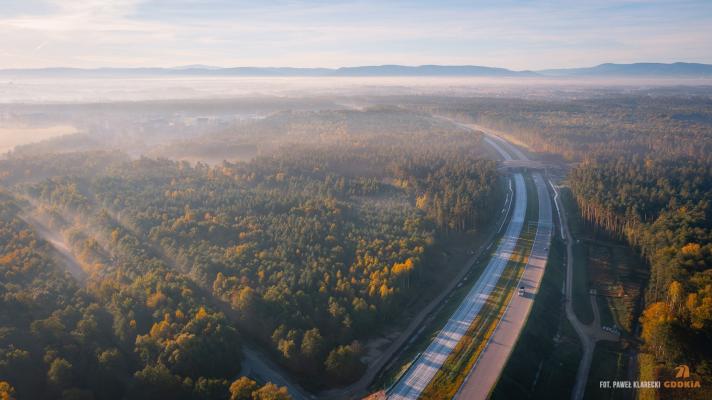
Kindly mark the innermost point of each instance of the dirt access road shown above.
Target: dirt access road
(588, 334)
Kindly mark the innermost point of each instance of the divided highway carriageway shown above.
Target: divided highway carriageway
(495, 349)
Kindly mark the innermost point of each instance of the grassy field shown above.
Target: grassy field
(607, 318)
(581, 300)
(618, 276)
(609, 363)
(581, 297)
(458, 364)
(620, 281)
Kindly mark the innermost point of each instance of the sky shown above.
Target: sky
(519, 35)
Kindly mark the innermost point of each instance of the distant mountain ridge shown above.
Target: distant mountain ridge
(679, 69)
(636, 69)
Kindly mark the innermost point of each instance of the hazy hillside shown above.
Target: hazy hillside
(678, 69)
(604, 70)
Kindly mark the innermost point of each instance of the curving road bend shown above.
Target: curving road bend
(588, 334)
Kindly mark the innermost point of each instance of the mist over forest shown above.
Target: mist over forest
(355, 200)
(163, 237)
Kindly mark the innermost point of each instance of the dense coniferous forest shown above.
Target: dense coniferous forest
(309, 250)
(642, 172)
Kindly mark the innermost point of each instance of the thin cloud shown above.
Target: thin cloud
(316, 33)
(41, 45)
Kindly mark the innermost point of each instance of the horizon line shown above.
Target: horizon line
(207, 66)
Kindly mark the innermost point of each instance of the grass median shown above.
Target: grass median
(451, 375)
(544, 361)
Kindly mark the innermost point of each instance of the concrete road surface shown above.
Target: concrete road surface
(488, 368)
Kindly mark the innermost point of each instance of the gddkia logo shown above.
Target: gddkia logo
(683, 371)
(683, 374)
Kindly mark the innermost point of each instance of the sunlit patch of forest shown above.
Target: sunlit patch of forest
(310, 249)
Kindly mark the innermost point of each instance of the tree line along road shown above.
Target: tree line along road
(491, 361)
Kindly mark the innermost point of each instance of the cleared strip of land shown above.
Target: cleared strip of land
(58, 243)
(481, 334)
(486, 372)
(448, 380)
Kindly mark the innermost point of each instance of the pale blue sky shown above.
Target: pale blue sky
(506, 33)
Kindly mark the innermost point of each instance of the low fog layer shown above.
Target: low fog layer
(53, 90)
(211, 119)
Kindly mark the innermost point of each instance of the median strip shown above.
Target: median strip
(455, 369)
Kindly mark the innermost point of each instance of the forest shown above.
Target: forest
(307, 250)
(641, 171)
(307, 233)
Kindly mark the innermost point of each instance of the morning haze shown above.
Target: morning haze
(355, 200)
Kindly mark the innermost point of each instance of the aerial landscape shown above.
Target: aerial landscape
(234, 200)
